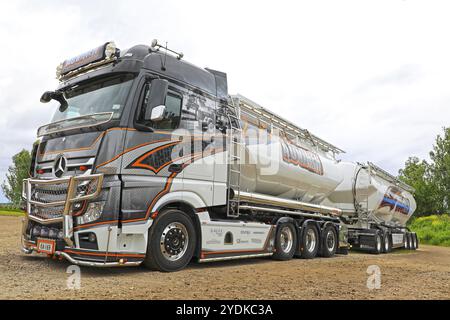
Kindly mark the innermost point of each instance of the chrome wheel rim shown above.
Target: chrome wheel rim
(310, 240)
(331, 240)
(286, 239)
(174, 241)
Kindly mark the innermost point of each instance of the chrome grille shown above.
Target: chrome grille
(48, 199)
(49, 193)
(47, 213)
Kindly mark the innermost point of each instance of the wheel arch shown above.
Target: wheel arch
(186, 202)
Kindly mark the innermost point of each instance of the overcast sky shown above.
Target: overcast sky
(371, 77)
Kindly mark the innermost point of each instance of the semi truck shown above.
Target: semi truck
(148, 160)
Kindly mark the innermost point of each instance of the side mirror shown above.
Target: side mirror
(158, 113)
(58, 96)
(46, 97)
(156, 99)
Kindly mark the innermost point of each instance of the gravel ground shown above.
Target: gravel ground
(421, 274)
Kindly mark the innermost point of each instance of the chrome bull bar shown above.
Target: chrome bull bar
(72, 196)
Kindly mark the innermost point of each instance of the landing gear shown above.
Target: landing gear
(285, 242)
(171, 242)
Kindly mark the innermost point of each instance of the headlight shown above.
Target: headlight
(93, 213)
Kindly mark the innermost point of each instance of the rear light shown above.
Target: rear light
(40, 171)
(84, 168)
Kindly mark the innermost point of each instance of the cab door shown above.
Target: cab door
(198, 121)
(150, 165)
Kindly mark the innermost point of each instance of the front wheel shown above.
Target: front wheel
(171, 242)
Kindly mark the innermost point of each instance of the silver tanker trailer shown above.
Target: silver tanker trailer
(373, 206)
(148, 160)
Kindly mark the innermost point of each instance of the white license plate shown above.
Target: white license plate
(46, 246)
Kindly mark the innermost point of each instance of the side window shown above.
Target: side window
(172, 114)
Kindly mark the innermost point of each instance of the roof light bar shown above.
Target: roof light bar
(98, 56)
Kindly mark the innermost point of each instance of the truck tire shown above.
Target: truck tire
(285, 242)
(387, 244)
(171, 242)
(309, 242)
(413, 241)
(406, 241)
(378, 248)
(417, 240)
(410, 241)
(329, 242)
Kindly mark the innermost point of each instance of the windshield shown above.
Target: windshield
(105, 95)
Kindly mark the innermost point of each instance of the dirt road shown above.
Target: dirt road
(423, 274)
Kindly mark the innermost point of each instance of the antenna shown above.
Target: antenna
(155, 46)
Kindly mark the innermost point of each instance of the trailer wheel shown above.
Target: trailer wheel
(310, 242)
(171, 242)
(378, 244)
(285, 242)
(387, 244)
(413, 241)
(417, 240)
(329, 242)
(410, 241)
(406, 241)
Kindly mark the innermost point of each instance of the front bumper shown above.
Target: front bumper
(63, 194)
(27, 249)
(77, 189)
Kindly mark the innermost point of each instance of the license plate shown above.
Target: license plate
(46, 246)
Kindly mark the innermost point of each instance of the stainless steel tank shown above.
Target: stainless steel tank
(282, 160)
(371, 189)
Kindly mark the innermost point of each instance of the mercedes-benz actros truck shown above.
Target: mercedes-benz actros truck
(149, 160)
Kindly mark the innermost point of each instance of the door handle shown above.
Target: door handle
(176, 168)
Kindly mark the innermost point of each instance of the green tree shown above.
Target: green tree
(19, 170)
(418, 174)
(440, 155)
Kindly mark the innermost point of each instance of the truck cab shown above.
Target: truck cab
(123, 147)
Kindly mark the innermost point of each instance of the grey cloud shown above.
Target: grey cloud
(404, 75)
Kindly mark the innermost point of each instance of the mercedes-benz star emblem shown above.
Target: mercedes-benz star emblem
(59, 166)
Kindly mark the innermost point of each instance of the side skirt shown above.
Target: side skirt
(226, 258)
